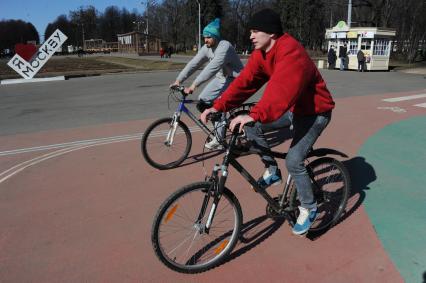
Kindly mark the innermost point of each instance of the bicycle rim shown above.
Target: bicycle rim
(179, 241)
(164, 147)
(331, 186)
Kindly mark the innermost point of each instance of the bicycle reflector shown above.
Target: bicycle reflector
(171, 213)
(221, 247)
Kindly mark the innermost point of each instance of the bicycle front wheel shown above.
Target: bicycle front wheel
(164, 145)
(182, 242)
(331, 186)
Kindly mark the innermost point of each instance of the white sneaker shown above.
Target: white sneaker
(213, 145)
(305, 220)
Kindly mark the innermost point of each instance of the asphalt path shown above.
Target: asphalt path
(77, 200)
(26, 108)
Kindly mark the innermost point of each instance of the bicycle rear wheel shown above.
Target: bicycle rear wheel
(331, 186)
(165, 147)
(182, 243)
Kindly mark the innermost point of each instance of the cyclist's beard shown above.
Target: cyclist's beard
(211, 46)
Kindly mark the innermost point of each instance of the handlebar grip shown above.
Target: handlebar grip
(178, 87)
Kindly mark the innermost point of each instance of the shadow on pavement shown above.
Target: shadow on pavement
(253, 233)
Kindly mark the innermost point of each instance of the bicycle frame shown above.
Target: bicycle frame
(182, 108)
(219, 183)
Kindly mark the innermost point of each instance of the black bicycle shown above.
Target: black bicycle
(166, 143)
(198, 226)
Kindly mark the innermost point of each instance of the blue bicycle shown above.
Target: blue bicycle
(166, 143)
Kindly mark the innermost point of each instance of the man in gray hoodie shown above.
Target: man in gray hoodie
(224, 65)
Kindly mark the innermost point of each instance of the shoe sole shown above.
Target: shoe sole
(304, 232)
(300, 233)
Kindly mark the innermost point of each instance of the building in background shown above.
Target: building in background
(100, 46)
(375, 42)
(138, 42)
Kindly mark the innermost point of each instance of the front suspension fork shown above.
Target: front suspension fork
(173, 128)
(217, 189)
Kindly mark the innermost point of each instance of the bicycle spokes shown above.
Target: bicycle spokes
(183, 237)
(166, 144)
(331, 189)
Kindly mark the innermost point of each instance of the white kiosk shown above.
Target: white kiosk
(374, 42)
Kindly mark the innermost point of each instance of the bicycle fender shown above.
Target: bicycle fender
(319, 152)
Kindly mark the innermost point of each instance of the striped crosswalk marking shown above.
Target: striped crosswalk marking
(404, 98)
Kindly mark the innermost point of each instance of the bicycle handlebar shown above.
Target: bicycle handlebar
(216, 116)
(179, 88)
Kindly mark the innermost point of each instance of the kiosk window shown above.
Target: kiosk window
(366, 44)
(353, 46)
(381, 47)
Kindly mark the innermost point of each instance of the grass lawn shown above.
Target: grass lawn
(91, 65)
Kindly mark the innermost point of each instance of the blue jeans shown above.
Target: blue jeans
(306, 130)
(342, 63)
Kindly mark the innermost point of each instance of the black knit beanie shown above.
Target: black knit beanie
(267, 21)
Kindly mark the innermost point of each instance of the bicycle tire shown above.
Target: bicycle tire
(335, 187)
(162, 156)
(221, 245)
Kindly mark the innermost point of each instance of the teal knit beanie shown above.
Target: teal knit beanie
(212, 29)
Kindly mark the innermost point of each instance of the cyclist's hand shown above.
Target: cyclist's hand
(176, 83)
(206, 112)
(189, 90)
(242, 120)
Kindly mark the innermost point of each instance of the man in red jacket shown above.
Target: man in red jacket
(294, 85)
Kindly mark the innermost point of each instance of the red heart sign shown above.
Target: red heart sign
(26, 51)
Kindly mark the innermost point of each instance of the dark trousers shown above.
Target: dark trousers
(361, 66)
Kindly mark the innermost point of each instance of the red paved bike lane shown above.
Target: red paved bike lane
(85, 215)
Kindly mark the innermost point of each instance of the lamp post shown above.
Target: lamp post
(199, 24)
(349, 13)
(137, 23)
(137, 36)
(84, 40)
(147, 24)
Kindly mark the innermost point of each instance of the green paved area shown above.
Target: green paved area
(396, 201)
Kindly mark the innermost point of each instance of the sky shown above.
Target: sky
(42, 12)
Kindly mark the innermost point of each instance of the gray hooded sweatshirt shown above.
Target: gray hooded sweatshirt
(224, 64)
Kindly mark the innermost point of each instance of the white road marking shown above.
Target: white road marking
(421, 105)
(85, 142)
(66, 148)
(393, 109)
(404, 98)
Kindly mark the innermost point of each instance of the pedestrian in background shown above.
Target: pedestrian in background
(332, 57)
(361, 60)
(343, 52)
(169, 52)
